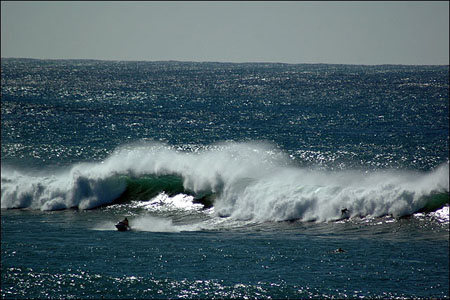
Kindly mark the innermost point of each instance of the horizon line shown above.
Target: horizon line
(221, 62)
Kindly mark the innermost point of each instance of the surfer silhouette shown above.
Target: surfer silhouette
(125, 221)
(344, 211)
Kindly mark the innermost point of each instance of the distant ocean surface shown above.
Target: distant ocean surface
(239, 180)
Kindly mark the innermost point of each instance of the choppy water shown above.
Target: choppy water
(233, 177)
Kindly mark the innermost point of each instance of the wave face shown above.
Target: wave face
(245, 181)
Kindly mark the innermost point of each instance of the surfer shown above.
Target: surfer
(125, 221)
(344, 211)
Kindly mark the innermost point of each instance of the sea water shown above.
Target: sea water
(239, 180)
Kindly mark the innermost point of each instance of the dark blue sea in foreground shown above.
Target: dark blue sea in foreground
(238, 180)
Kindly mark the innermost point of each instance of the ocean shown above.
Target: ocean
(239, 180)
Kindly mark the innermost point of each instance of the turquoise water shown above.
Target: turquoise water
(233, 177)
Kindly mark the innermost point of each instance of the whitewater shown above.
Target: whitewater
(249, 181)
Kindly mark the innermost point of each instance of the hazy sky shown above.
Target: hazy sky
(407, 32)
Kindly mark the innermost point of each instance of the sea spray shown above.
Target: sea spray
(89, 185)
(142, 223)
(83, 187)
(153, 224)
(250, 181)
(294, 193)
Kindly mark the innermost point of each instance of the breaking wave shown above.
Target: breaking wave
(245, 181)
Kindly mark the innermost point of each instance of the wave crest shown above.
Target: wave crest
(246, 181)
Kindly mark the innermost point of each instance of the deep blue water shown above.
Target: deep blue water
(233, 177)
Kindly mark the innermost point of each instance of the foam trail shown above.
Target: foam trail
(144, 223)
(153, 224)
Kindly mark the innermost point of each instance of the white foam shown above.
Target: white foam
(163, 202)
(153, 224)
(442, 214)
(307, 195)
(83, 186)
(253, 181)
